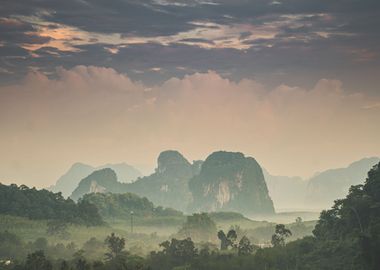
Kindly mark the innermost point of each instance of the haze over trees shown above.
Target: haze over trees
(345, 237)
(115, 205)
(199, 227)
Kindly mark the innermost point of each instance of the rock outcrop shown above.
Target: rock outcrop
(101, 181)
(230, 182)
(168, 186)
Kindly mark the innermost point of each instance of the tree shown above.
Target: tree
(280, 235)
(353, 224)
(183, 250)
(115, 245)
(232, 236)
(228, 240)
(43, 204)
(37, 261)
(298, 220)
(245, 247)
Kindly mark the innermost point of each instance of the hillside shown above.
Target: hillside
(43, 204)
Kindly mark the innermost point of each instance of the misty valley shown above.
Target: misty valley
(224, 212)
(189, 135)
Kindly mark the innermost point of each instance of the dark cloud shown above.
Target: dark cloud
(15, 31)
(197, 40)
(313, 38)
(151, 18)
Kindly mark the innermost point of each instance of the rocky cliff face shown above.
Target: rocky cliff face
(104, 180)
(168, 186)
(230, 182)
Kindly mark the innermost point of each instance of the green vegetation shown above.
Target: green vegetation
(345, 237)
(119, 206)
(42, 204)
(228, 240)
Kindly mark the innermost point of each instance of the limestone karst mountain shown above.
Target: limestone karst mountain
(226, 181)
(230, 182)
(100, 181)
(70, 180)
(168, 185)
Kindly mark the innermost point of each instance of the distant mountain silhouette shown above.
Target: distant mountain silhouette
(100, 181)
(330, 185)
(287, 192)
(70, 180)
(320, 191)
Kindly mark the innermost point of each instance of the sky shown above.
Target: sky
(293, 83)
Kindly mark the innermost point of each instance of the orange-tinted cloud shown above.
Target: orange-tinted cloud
(97, 115)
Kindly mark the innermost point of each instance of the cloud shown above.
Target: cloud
(97, 115)
(257, 39)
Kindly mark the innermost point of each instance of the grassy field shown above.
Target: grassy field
(147, 232)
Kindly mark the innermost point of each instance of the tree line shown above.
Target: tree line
(43, 204)
(347, 236)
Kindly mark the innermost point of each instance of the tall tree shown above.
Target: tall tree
(37, 261)
(115, 246)
(228, 240)
(245, 247)
(280, 235)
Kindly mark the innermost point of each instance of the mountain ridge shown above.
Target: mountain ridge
(69, 181)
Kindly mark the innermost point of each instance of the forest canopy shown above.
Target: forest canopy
(43, 204)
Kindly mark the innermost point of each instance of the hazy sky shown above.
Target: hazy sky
(293, 83)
